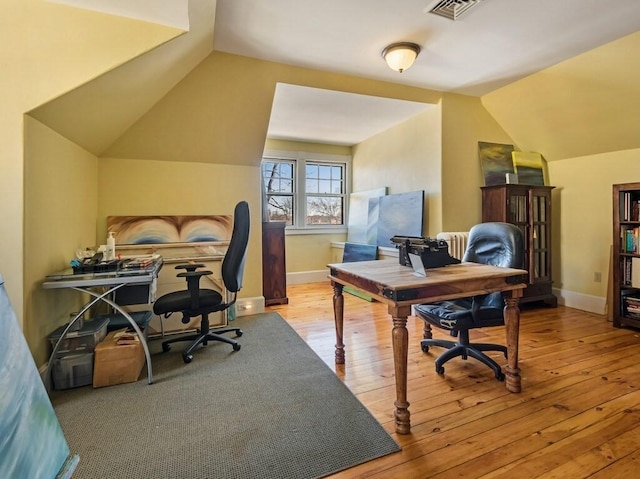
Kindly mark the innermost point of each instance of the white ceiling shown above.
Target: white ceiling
(493, 44)
(323, 116)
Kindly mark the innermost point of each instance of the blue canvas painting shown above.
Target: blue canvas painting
(358, 223)
(373, 215)
(400, 214)
(32, 444)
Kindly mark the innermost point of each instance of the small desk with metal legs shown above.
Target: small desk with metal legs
(397, 286)
(101, 286)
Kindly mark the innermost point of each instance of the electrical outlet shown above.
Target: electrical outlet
(597, 276)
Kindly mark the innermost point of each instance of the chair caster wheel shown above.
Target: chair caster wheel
(440, 370)
(187, 359)
(236, 347)
(500, 377)
(238, 334)
(425, 348)
(166, 347)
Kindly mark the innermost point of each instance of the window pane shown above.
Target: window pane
(324, 186)
(286, 170)
(277, 177)
(280, 208)
(312, 186)
(324, 172)
(322, 210)
(311, 170)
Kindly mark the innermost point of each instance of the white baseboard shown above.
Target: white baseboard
(585, 302)
(303, 277)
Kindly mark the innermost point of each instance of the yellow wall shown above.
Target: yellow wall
(42, 58)
(288, 145)
(436, 151)
(583, 216)
(465, 122)
(583, 106)
(220, 112)
(143, 187)
(60, 205)
(405, 158)
(582, 115)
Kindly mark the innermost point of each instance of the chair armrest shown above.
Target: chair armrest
(193, 281)
(190, 266)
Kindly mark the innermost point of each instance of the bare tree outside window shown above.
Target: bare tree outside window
(305, 193)
(278, 177)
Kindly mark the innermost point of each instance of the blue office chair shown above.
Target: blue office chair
(195, 301)
(497, 244)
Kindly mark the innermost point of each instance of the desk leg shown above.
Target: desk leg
(400, 341)
(512, 323)
(338, 314)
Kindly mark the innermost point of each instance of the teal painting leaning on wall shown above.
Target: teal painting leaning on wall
(32, 444)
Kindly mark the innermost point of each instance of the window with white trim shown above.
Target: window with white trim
(307, 191)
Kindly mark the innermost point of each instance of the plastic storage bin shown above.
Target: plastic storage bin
(82, 340)
(73, 370)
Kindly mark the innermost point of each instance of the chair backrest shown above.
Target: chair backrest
(497, 244)
(233, 262)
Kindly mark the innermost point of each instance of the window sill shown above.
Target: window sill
(314, 231)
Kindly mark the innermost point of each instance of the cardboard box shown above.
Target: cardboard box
(117, 363)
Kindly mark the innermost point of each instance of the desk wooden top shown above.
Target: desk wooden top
(388, 281)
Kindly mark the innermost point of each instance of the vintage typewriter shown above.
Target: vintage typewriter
(434, 253)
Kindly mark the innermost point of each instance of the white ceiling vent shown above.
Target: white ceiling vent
(453, 9)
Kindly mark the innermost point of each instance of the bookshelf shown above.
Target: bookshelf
(529, 208)
(626, 255)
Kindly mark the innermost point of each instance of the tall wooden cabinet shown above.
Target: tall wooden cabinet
(274, 271)
(528, 207)
(626, 255)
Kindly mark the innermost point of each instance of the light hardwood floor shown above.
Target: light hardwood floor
(578, 414)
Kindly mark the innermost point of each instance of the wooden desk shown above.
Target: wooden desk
(398, 287)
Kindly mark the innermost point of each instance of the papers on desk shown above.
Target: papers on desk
(140, 262)
(417, 265)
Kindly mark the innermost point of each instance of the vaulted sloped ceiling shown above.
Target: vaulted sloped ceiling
(584, 106)
(97, 113)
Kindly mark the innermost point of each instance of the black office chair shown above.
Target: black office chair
(195, 301)
(498, 244)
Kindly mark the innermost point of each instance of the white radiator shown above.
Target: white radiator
(457, 241)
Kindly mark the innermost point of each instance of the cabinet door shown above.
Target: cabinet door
(540, 239)
(274, 271)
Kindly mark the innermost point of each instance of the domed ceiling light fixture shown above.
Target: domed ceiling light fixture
(400, 56)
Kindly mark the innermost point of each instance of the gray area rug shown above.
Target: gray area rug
(271, 410)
